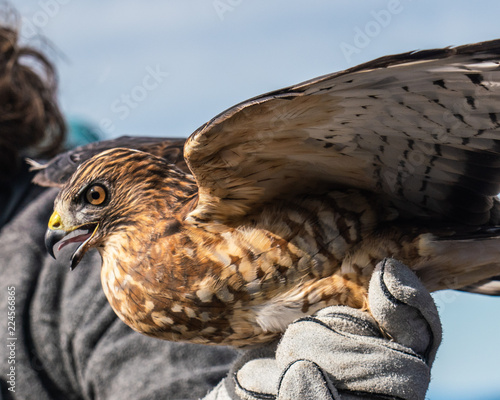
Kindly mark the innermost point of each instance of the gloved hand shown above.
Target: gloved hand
(342, 353)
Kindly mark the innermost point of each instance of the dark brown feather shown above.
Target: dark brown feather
(59, 169)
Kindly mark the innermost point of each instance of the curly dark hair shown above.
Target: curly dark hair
(31, 123)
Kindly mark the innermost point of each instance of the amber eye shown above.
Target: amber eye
(96, 195)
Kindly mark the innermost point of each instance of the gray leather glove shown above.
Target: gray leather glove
(342, 353)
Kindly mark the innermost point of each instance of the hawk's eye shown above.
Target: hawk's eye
(95, 195)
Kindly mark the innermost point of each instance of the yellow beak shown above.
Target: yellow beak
(57, 232)
(55, 221)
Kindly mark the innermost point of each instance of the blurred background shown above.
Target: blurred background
(163, 68)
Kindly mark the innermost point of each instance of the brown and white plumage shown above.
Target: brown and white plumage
(294, 196)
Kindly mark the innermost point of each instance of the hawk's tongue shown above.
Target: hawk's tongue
(77, 236)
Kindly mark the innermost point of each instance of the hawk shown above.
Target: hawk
(284, 203)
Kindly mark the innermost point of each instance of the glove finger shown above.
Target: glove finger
(404, 308)
(257, 379)
(347, 345)
(305, 380)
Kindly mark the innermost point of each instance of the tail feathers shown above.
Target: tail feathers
(468, 233)
(489, 287)
(467, 261)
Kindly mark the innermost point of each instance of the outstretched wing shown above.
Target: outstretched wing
(60, 168)
(422, 128)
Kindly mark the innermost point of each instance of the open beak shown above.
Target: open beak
(61, 236)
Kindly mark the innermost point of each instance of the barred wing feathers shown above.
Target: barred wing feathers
(420, 128)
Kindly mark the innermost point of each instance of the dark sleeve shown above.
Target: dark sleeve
(71, 345)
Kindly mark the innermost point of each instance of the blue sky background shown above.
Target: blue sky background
(166, 67)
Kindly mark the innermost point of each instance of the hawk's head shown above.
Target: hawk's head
(113, 191)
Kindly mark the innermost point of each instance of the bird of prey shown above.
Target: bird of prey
(284, 203)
